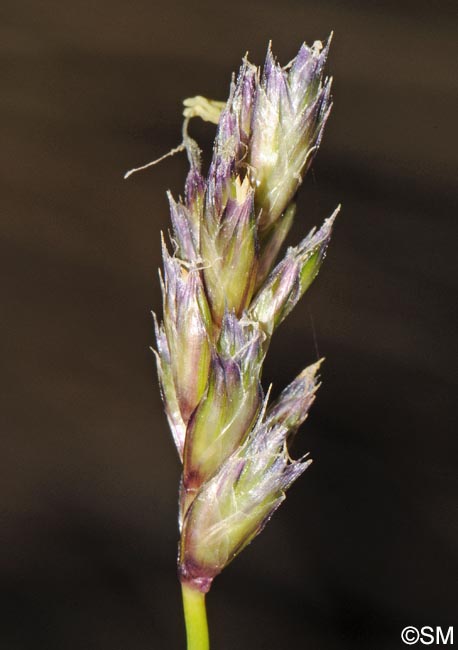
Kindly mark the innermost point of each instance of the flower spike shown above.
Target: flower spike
(223, 298)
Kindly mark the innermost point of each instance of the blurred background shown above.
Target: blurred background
(367, 541)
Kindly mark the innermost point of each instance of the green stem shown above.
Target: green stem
(195, 617)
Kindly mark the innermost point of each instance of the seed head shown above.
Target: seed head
(223, 300)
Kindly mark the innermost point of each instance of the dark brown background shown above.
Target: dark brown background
(366, 543)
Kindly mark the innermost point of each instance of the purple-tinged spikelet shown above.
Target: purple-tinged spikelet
(291, 108)
(236, 503)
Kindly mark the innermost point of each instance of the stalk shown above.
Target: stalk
(195, 616)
